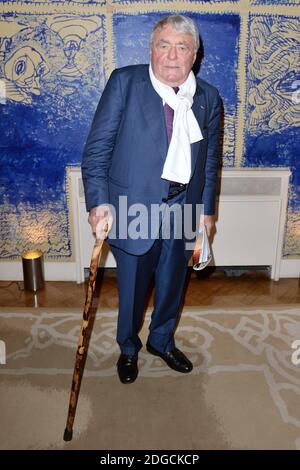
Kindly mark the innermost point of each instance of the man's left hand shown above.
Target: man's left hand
(209, 223)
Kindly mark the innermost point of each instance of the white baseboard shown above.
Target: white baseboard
(55, 271)
(290, 268)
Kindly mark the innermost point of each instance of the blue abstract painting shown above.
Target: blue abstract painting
(220, 37)
(274, 2)
(32, 2)
(273, 111)
(190, 1)
(52, 72)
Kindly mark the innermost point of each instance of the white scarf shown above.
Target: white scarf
(186, 129)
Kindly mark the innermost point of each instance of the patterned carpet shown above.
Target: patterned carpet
(243, 393)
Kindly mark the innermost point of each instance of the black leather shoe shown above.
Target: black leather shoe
(127, 368)
(175, 359)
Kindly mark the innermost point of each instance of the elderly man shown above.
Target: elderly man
(154, 140)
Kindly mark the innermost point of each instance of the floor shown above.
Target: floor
(243, 392)
(211, 288)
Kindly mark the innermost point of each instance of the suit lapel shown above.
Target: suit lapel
(199, 109)
(153, 110)
(199, 106)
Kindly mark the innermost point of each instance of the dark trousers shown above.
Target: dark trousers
(165, 260)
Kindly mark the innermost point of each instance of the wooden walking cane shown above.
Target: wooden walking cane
(82, 342)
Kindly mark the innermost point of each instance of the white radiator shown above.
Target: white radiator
(251, 217)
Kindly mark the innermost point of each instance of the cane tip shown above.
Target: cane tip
(68, 435)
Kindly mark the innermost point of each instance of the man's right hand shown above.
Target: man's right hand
(99, 217)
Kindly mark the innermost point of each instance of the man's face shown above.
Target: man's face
(172, 55)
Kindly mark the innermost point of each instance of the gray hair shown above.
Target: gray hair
(182, 24)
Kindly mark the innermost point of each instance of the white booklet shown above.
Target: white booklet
(202, 254)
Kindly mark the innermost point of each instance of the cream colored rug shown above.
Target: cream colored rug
(244, 391)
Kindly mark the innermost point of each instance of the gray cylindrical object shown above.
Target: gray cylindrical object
(33, 270)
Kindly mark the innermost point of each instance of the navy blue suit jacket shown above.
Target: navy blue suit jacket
(127, 146)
